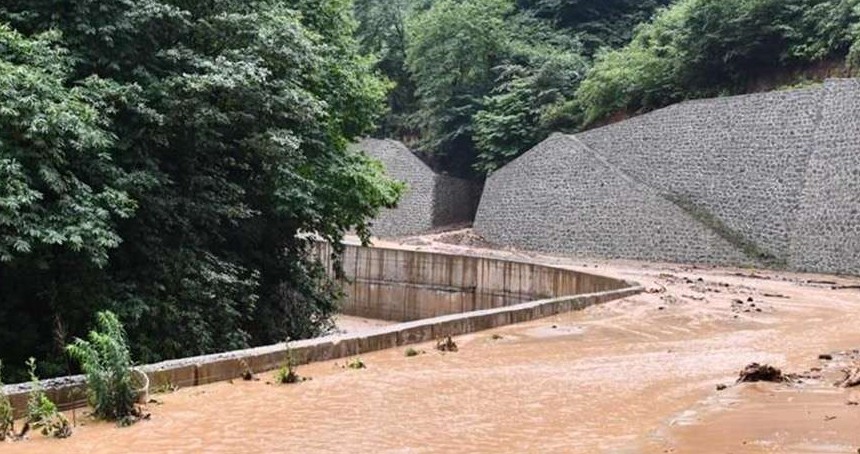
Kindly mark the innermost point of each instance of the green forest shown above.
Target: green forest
(173, 161)
(478, 82)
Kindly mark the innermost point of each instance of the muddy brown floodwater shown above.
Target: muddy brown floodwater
(350, 324)
(633, 375)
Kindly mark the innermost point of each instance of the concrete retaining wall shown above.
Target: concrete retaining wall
(385, 271)
(431, 200)
(404, 285)
(767, 179)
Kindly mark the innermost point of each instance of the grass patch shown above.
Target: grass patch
(42, 413)
(287, 373)
(356, 363)
(7, 418)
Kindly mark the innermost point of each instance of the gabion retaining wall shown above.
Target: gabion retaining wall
(826, 232)
(431, 200)
(767, 179)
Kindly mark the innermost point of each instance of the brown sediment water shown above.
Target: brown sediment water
(350, 324)
(633, 375)
(766, 417)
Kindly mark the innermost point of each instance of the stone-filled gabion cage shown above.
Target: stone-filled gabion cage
(431, 201)
(770, 179)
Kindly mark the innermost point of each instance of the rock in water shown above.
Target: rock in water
(760, 372)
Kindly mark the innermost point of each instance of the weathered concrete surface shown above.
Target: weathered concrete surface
(431, 200)
(66, 392)
(768, 179)
(559, 285)
(402, 285)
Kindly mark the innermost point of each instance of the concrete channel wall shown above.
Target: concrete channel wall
(403, 285)
(457, 294)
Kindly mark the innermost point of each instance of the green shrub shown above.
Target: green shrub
(412, 352)
(7, 419)
(106, 361)
(42, 413)
(247, 373)
(356, 363)
(287, 373)
(705, 48)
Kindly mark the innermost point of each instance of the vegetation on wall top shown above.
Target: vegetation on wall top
(488, 79)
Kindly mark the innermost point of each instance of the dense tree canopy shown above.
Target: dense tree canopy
(382, 32)
(478, 82)
(700, 48)
(453, 48)
(162, 157)
(490, 81)
(532, 95)
(168, 159)
(59, 187)
(597, 23)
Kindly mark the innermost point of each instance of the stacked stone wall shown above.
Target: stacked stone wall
(431, 200)
(414, 213)
(741, 159)
(826, 233)
(770, 179)
(561, 197)
(455, 201)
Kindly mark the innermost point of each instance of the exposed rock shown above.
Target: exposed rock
(755, 372)
(446, 345)
(852, 377)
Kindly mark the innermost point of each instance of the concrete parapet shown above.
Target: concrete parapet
(516, 307)
(404, 285)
